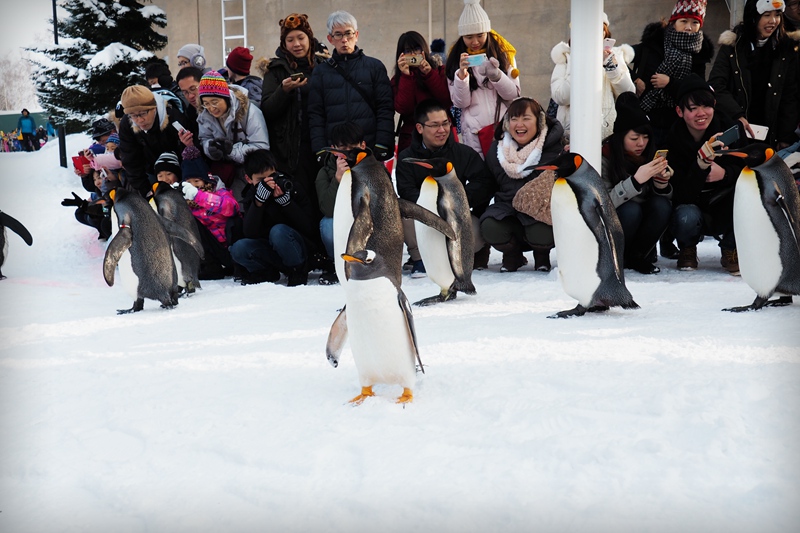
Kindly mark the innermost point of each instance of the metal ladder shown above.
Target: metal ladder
(240, 8)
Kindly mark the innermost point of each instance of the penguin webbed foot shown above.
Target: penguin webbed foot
(439, 298)
(760, 302)
(406, 397)
(138, 305)
(579, 310)
(366, 392)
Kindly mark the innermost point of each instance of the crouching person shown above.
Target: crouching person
(280, 228)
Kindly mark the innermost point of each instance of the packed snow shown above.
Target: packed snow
(223, 414)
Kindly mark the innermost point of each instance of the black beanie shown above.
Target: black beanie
(168, 161)
(690, 84)
(629, 114)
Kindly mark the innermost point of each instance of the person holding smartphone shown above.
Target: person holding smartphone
(418, 76)
(637, 178)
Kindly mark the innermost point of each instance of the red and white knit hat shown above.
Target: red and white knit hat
(689, 9)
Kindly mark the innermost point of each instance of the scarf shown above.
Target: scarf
(514, 160)
(677, 64)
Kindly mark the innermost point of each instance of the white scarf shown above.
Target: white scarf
(515, 160)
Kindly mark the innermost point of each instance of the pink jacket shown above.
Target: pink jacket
(478, 107)
(215, 208)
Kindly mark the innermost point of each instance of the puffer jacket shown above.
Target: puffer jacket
(213, 211)
(615, 82)
(243, 126)
(138, 149)
(733, 84)
(333, 100)
(478, 106)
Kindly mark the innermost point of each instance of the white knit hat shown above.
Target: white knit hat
(762, 6)
(473, 19)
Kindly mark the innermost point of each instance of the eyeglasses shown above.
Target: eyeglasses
(443, 125)
(338, 36)
(138, 116)
(183, 63)
(216, 104)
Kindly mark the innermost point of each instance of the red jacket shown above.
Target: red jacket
(410, 91)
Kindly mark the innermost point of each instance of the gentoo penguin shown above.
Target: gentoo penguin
(7, 221)
(448, 262)
(378, 321)
(367, 213)
(150, 271)
(174, 210)
(588, 236)
(766, 222)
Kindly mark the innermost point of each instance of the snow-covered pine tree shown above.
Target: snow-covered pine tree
(102, 48)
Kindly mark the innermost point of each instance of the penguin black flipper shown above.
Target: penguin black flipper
(612, 244)
(121, 242)
(406, 308)
(429, 218)
(179, 232)
(16, 226)
(337, 338)
(790, 218)
(362, 228)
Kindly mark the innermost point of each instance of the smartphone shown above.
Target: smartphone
(415, 60)
(608, 42)
(178, 126)
(661, 153)
(79, 161)
(297, 76)
(759, 132)
(729, 136)
(476, 60)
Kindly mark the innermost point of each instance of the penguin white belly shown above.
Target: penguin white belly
(379, 336)
(128, 280)
(577, 249)
(757, 241)
(342, 222)
(432, 244)
(179, 270)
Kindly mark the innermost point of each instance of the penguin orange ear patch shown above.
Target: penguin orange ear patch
(360, 156)
(112, 194)
(449, 167)
(578, 160)
(769, 152)
(155, 186)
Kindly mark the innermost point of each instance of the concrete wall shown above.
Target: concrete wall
(533, 27)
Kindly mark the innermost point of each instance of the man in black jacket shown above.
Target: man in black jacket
(145, 132)
(280, 229)
(702, 185)
(433, 139)
(351, 87)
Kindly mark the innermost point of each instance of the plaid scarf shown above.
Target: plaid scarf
(677, 64)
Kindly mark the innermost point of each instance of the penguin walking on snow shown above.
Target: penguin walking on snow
(180, 224)
(7, 221)
(588, 236)
(448, 262)
(766, 222)
(141, 249)
(378, 321)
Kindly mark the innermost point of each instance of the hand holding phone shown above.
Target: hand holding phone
(661, 153)
(729, 136)
(178, 126)
(476, 60)
(297, 76)
(415, 60)
(608, 43)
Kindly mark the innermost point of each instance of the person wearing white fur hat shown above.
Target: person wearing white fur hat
(483, 90)
(616, 80)
(755, 74)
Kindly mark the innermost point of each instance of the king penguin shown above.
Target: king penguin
(588, 237)
(148, 271)
(766, 222)
(181, 225)
(7, 221)
(378, 321)
(448, 262)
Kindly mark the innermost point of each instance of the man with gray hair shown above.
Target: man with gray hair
(351, 86)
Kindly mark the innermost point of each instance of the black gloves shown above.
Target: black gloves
(218, 148)
(75, 201)
(383, 153)
(263, 192)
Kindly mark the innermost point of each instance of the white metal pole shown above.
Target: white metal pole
(586, 71)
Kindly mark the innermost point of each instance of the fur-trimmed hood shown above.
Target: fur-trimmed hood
(729, 37)
(561, 51)
(239, 102)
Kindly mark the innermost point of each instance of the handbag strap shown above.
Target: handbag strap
(338, 68)
(497, 109)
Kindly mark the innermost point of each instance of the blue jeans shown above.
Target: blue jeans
(689, 224)
(285, 250)
(326, 232)
(643, 223)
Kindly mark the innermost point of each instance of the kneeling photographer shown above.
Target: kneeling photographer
(280, 230)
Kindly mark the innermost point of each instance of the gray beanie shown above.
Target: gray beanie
(473, 19)
(192, 51)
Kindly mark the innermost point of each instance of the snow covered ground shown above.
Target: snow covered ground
(224, 415)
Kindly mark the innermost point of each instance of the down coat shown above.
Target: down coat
(243, 126)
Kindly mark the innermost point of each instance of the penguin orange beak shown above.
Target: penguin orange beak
(352, 259)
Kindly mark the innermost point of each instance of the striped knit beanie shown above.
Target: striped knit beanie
(689, 9)
(168, 161)
(213, 84)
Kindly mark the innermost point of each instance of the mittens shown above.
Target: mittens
(263, 192)
(492, 69)
(189, 190)
(214, 151)
(75, 201)
(706, 155)
(284, 199)
(661, 181)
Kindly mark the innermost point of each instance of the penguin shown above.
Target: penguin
(147, 270)
(368, 215)
(7, 221)
(378, 320)
(172, 207)
(766, 222)
(448, 262)
(588, 236)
